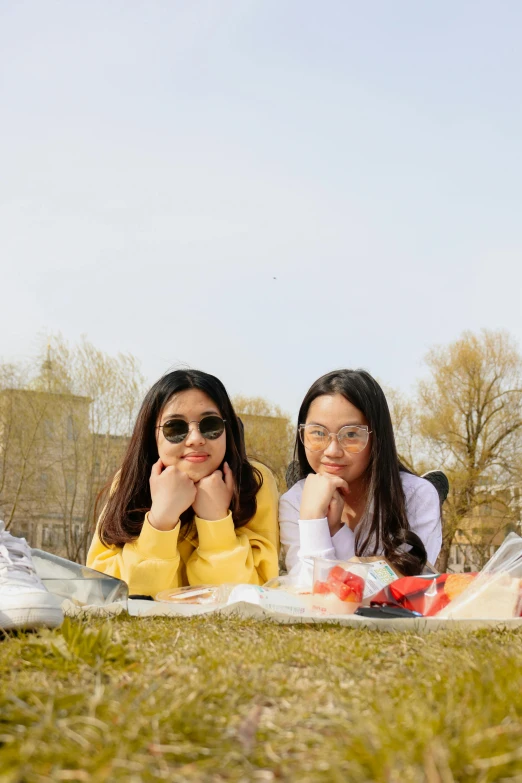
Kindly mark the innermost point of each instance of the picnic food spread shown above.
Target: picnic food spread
(342, 587)
(367, 586)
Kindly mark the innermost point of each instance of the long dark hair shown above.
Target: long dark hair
(123, 516)
(389, 529)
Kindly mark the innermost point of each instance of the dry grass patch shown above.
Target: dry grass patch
(215, 699)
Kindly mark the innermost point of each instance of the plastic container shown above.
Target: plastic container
(81, 585)
(200, 595)
(338, 586)
(375, 572)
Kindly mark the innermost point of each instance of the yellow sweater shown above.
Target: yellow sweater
(205, 553)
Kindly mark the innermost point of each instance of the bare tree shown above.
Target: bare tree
(405, 418)
(97, 418)
(471, 421)
(64, 425)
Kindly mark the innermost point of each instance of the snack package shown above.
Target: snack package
(496, 592)
(427, 595)
(493, 594)
(380, 560)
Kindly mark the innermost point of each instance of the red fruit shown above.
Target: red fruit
(353, 583)
(321, 588)
(344, 592)
(338, 573)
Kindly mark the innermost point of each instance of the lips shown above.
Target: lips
(196, 457)
(333, 468)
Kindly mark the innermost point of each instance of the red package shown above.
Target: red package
(425, 595)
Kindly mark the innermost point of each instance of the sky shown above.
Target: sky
(263, 189)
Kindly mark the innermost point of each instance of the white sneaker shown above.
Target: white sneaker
(24, 601)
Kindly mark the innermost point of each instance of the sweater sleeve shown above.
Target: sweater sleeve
(423, 512)
(148, 564)
(302, 539)
(247, 554)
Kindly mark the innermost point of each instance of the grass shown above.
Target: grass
(220, 699)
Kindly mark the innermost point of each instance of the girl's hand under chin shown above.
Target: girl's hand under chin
(324, 496)
(335, 513)
(172, 493)
(213, 495)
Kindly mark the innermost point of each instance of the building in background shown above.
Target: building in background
(52, 467)
(481, 533)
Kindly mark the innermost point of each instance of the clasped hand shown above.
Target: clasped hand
(172, 492)
(325, 496)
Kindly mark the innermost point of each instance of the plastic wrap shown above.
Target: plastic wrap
(427, 595)
(496, 592)
(81, 585)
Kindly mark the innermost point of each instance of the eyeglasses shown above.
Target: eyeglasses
(176, 430)
(352, 438)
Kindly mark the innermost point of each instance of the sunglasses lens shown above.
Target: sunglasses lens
(212, 427)
(175, 431)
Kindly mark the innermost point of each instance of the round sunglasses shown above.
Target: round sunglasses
(176, 430)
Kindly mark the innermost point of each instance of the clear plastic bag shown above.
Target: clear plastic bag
(81, 585)
(495, 593)
(426, 594)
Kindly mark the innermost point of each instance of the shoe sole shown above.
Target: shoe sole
(27, 619)
(41, 610)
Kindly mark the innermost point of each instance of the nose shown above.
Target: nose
(194, 437)
(334, 448)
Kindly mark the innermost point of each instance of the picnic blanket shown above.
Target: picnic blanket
(250, 611)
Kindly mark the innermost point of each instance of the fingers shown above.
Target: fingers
(157, 468)
(229, 477)
(340, 483)
(344, 492)
(217, 474)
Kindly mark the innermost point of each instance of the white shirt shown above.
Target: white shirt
(303, 539)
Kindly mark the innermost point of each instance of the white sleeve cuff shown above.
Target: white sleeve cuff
(315, 539)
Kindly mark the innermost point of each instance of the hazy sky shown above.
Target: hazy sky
(264, 189)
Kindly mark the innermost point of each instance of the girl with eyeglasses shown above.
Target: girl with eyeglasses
(356, 498)
(187, 507)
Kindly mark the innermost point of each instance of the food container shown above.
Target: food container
(338, 586)
(199, 595)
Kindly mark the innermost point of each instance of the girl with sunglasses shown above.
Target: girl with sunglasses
(187, 507)
(355, 497)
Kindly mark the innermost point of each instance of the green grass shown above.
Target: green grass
(220, 699)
